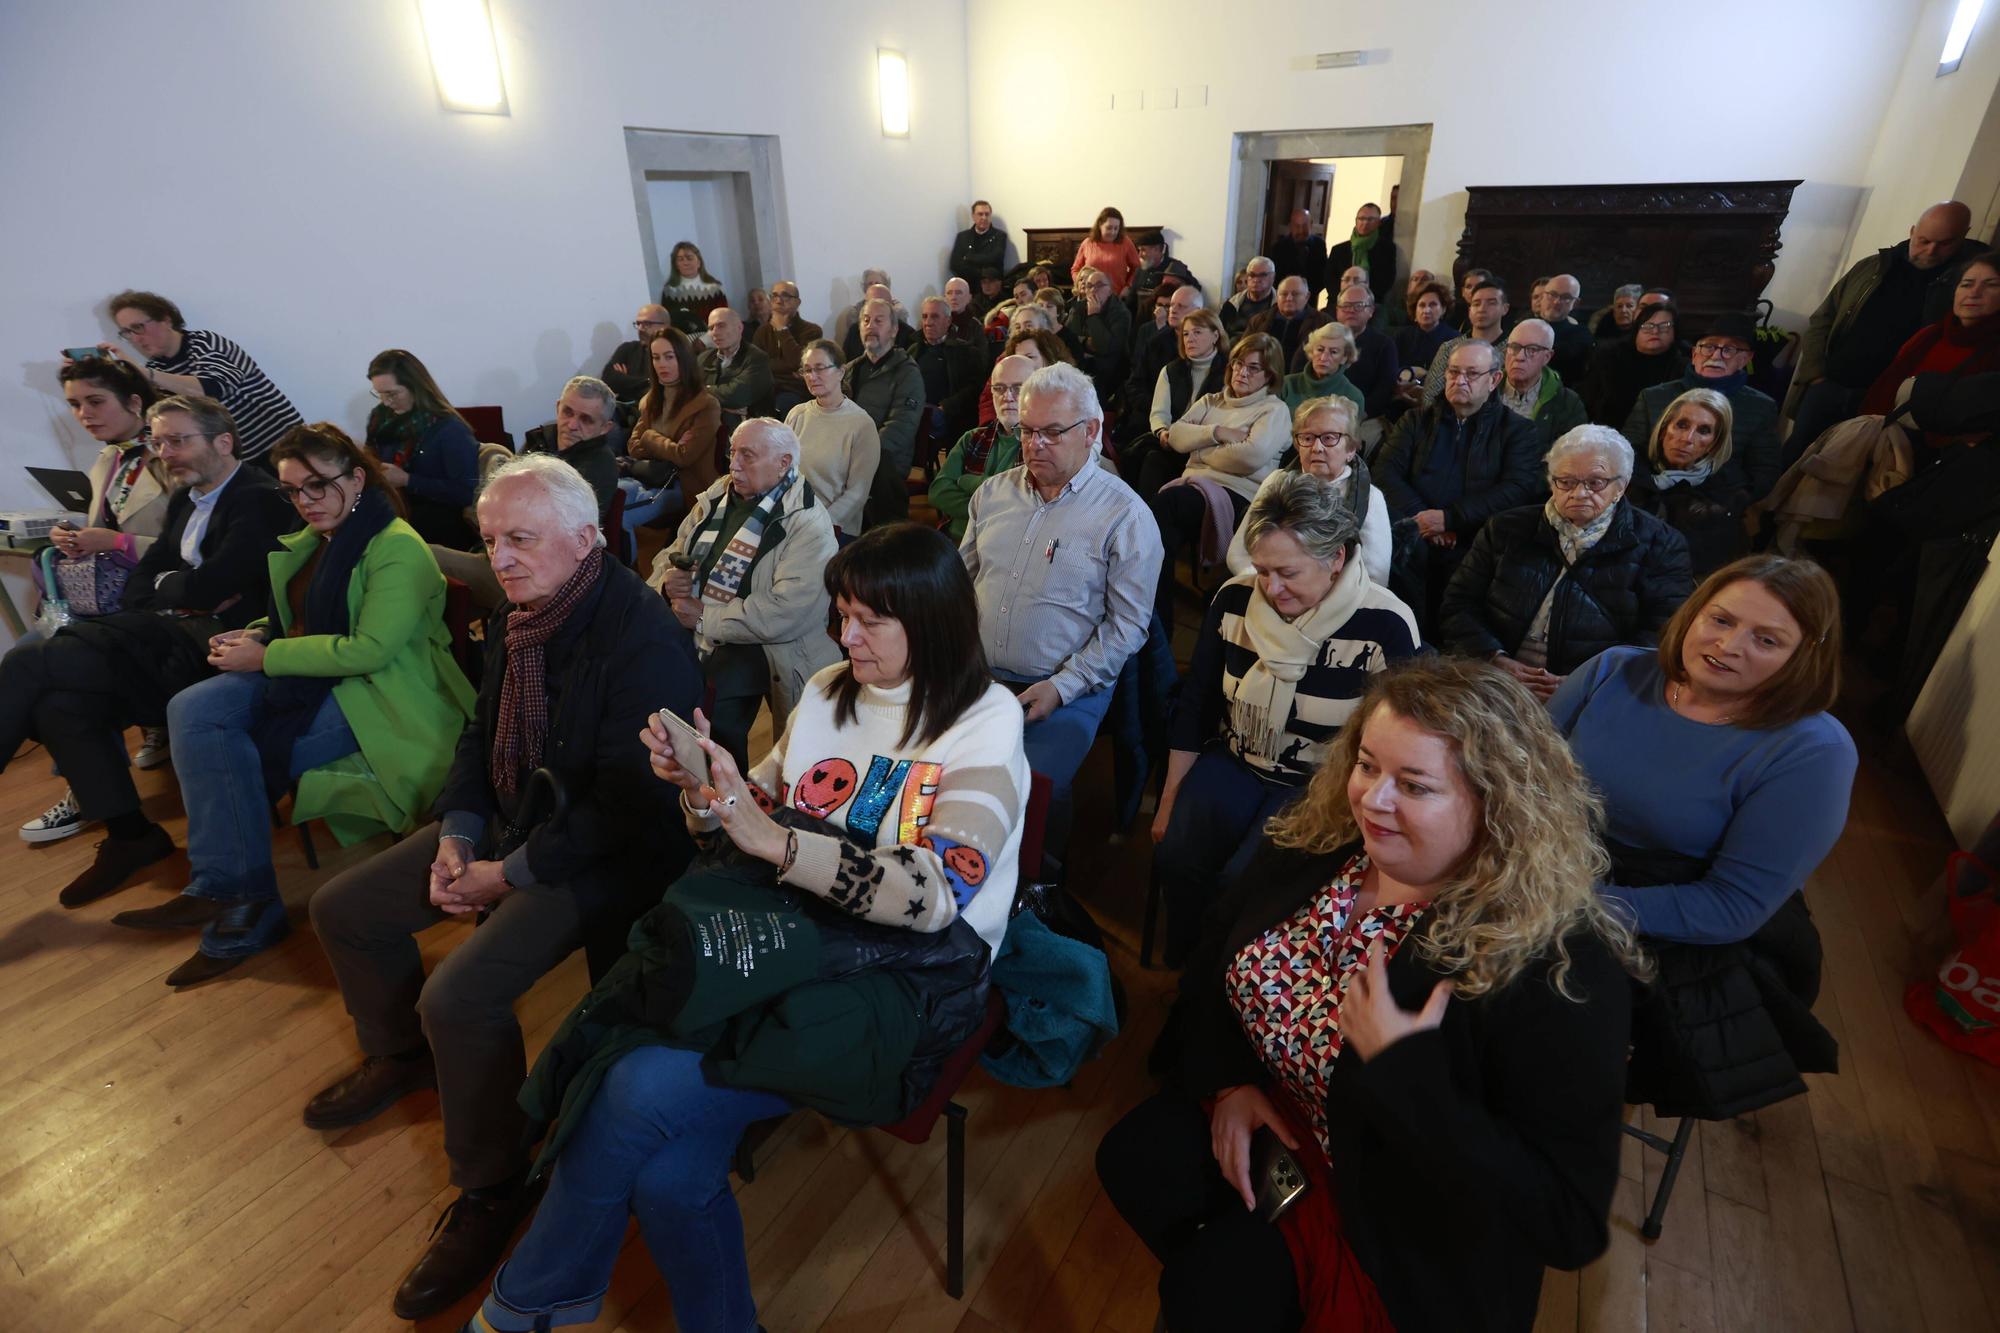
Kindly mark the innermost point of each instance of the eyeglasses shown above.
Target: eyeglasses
(314, 490)
(1595, 485)
(1662, 327)
(1553, 297)
(388, 395)
(1467, 376)
(811, 369)
(127, 332)
(784, 296)
(1048, 434)
(648, 325)
(174, 441)
(1526, 350)
(1321, 439)
(1720, 349)
(1354, 307)
(1006, 391)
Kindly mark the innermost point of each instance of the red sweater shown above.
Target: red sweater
(1945, 345)
(1117, 260)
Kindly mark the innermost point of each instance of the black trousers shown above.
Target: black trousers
(1180, 512)
(77, 700)
(1225, 1268)
(740, 675)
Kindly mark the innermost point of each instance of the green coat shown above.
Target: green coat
(399, 689)
(1558, 410)
(1300, 385)
(952, 488)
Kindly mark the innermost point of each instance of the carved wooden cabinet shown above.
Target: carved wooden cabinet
(1712, 244)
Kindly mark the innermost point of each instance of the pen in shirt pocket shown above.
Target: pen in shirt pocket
(1050, 554)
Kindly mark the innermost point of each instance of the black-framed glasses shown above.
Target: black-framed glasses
(1720, 349)
(1595, 485)
(1528, 349)
(159, 442)
(645, 326)
(314, 490)
(128, 332)
(1320, 439)
(1660, 327)
(1048, 434)
(1468, 376)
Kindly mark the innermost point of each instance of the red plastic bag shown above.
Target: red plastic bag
(1962, 1007)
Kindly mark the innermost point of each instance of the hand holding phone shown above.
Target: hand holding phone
(82, 354)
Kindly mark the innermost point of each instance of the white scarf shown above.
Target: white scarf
(1262, 705)
(1675, 476)
(1575, 540)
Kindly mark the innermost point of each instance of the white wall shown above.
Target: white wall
(1357, 181)
(1776, 90)
(1928, 128)
(286, 173)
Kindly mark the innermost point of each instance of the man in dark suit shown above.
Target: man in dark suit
(206, 573)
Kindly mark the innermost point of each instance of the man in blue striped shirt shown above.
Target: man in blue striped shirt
(194, 361)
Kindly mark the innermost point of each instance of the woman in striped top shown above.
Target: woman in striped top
(1284, 654)
(184, 360)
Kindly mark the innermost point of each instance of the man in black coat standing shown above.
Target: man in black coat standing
(1373, 247)
(78, 690)
(577, 661)
(1301, 253)
(980, 246)
(1447, 468)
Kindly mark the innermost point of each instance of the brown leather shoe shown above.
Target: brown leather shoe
(466, 1245)
(181, 912)
(118, 859)
(380, 1082)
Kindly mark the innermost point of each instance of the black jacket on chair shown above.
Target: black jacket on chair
(1623, 590)
(1709, 516)
(1467, 1158)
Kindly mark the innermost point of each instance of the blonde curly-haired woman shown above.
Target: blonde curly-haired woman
(1414, 987)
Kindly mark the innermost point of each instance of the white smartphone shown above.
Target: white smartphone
(687, 744)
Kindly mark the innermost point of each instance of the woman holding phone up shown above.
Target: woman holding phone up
(1415, 988)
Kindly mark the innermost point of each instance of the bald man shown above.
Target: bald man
(1869, 314)
(903, 337)
(625, 372)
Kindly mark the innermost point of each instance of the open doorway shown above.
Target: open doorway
(1329, 191)
(712, 209)
(1330, 174)
(724, 192)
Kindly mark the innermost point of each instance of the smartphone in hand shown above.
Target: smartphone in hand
(82, 353)
(687, 744)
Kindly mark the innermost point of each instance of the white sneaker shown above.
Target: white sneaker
(152, 748)
(59, 821)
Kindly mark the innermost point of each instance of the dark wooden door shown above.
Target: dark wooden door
(1296, 184)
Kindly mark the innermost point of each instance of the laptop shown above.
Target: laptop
(71, 489)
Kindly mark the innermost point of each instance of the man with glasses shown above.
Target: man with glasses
(1064, 558)
(625, 372)
(195, 362)
(890, 389)
(1530, 387)
(1376, 364)
(1868, 316)
(1485, 322)
(986, 451)
(1450, 465)
(1572, 340)
(1721, 361)
(205, 573)
(1260, 277)
(782, 338)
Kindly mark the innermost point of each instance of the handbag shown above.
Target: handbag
(54, 612)
(1961, 1007)
(93, 585)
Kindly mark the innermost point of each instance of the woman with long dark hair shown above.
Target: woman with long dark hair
(671, 450)
(425, 449)
(892, 802)
(348, 690)
(691, 293)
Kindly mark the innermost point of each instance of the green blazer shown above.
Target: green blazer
(399, 689)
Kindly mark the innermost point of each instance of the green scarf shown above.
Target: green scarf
(1362, 245)
(394, 437)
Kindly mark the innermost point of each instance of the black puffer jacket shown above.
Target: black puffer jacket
(1708, 516)
(1621, 591)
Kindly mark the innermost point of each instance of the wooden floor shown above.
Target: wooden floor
(154, 1174)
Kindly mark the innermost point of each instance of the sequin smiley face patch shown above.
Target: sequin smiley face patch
(825, 787)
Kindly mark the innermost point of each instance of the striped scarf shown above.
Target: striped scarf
(724, 581)
(523, 722)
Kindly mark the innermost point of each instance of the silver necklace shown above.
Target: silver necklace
(1674, 697)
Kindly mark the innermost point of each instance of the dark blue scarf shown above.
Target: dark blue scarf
(1726, 386)
(291, 702)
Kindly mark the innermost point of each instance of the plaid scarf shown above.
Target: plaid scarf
(395, 437)
(979, 447)
(725, 579)
(523, 724)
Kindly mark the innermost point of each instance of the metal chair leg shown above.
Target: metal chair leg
(954, 1201)
(1675, 1149)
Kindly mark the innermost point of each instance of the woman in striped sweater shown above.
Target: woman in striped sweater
(1285, 653)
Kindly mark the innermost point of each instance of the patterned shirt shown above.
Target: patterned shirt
(1288, 984)
(263, 415)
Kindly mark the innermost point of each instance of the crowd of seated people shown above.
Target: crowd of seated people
(1457, 616)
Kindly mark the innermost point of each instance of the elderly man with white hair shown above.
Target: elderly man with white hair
(576, 661)
(1063, 557)
(1260, 278)
(1546, 587)
(1530, 386)
(1572, 340)
(744, 573)
(1290, 320)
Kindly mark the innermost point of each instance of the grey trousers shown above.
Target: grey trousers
(367, 918)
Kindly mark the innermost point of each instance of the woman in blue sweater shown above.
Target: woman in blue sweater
(1715, 751)
(425, 448)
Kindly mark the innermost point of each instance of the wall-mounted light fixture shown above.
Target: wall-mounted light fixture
(892, 79)
(463, 56)
(1958, 34)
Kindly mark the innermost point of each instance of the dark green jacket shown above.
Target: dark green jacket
(1557, 409)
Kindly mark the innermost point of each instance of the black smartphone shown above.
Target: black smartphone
(82, 353)
(1275, 1174)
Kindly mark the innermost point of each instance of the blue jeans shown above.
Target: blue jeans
(1217, 820)
(656, 1141)
(229, 816)
(1057, 744)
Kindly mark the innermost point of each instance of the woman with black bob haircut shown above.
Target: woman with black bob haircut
(426, 450)
(892, 802)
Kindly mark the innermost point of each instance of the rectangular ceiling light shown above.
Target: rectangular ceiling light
(892, 77)
(1960, 33)
(463, 56)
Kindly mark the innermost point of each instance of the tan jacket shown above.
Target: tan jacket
(687, 439)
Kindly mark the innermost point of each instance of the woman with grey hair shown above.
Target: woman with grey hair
(1285, 653)
(1547, 587)
(1616, 318)
(1326, 443)
(1327, 349)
